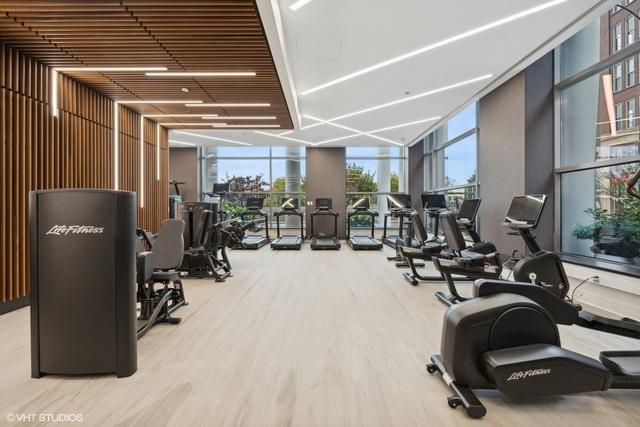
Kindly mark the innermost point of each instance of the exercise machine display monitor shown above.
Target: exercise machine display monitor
(525, 211)
(361, 208)
(289, 207)
(434, 205)
(254, 207)
(399, 206)
(324, 207)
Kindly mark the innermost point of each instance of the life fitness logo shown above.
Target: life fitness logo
(521, 375)
(64, 230)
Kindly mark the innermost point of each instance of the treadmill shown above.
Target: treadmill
(324, 208)
(434, 205)
(289, 208)
(254, 209)
(361, 208)
(399, 206)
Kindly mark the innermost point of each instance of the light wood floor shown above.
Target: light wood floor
(295, 338)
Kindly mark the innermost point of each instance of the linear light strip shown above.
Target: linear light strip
(430, 119)
(158, 129)
(216, 117)
(436, 45)
(110, 69)
(182, 143)
(213, 138)
(297, 5)
(116, 146)
(229, 104)
(179, 115)
(352, 130)
(203, 74)
(250, 125)
(403, 100)
(160, 101)
(142, 161)
(54, 92)
(286, 138)
(169, 124)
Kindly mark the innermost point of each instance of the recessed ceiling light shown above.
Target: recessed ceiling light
(159, 101)
(402, 100)
(202, 74)
(223, 125)
(185, 89)
(213, 138)
(216, 117)
(230, 104)
(177, 115)
(110, 69)
(297, 5)
(352, 130)
(436, 45)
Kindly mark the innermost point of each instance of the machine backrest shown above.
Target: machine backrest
(168, 247)
(452, 234)
(419, 230)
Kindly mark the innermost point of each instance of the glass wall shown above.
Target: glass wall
(450, 158)
(272, 173)
(374, 172)
(598, 139)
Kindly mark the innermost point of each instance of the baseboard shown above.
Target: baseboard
(14, 304)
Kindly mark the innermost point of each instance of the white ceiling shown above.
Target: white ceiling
(327, 39)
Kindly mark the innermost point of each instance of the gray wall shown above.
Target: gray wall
(516, 152)
(326, 177)
(183, 166)
(501, 160)
(416, 174)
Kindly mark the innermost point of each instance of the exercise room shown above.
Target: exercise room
(320, 213)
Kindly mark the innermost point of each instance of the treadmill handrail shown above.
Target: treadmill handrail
(362, 212)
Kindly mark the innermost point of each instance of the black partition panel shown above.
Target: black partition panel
(82, 261)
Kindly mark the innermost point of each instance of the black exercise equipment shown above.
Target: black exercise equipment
(361, 208)
(324, 208)
(507, 338)
(254, 207)
(176, 198)
(399, 206)
(221, 192)
(82, 260)
(433, 205)
(159, 266)
(289, 208)
(205, 254)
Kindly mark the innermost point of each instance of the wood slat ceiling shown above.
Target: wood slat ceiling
(182, 35)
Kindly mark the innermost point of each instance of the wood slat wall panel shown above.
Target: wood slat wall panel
(39, 151)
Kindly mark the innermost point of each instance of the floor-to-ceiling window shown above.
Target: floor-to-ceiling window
(450, 158)
(272, 173)
(374, 172)
(598, 140)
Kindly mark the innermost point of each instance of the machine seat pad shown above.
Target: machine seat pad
(625, 363)
(162, 276)
(471, 255)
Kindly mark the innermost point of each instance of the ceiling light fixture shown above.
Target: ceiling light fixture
(202, 74)
(171, 141)
(158, 130)
(179, 115)
(286, 138)
(216, 117)
(167, 124)
(109, 69)
(141, 192)
(297, 5)
(402, 100)
(352, 130)
(116, 146)
(224, 125)
(438, 44)
(228, 104)
(430, 119)
(213, 138)
(159, 101)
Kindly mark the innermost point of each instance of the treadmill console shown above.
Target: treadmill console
(433, 201)
(220, 188)
(290, 204)
(324, 203)
(399, 202)
(362, 204)
(525, 211)
(255, 203)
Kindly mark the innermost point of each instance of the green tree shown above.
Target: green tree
(279, 185)
(360, 181)
(395, 183)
